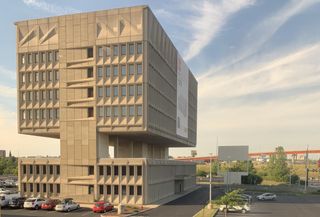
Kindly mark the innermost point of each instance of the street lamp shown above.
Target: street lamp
(210, 179)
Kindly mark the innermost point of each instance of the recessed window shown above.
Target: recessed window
(51, 188)
(90, 189)
(89, 52)
(101, 189)
(123, 90)
(23, 78)
(100, 111)
(100, 52)
(90, 92)
(115, 170)
(131, 49)
(115, 111)
(29, 58)
(124, 190)
(31, 187)
(101, 170)
(108, 189)
(42, 114)
(108, 170)
(29, 77)
(131, 69)
(37, 169)
(44, 169)
(90, 112)
(56, 113)
(139, 68)
(115, 190)
(58, 188)
(24, 169)
(37, 114)
(115, 50)
(35, 96)
(31, 169)
(108, 111)
(107, 91)
(108, 71)
(42, 57)
(43, 95)
(49, 76)
(56, 75)
(100, 92)
(131, 190)
(115, 91)
(131, 90)
(139, 110)
(56, 94)
(91, 170)
(131, 110)
(123, 111)
(22, 59)
(123, 49)
(50, 59)
(123, 70)
(50, 94)
(56, 56)
(131, 170)
(23, 96)
(90, 72)
(139, 170)
(36, 76)
(99, 72)
(43, 76)
(58, 169)
(44, 188)
(108, 51)
(36, 58)
(50, 113)
(115, 70)
(123, 170)
(139, 89)
(139, 190)
(139, 48)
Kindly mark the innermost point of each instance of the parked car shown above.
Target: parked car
(238, 208)
(246, 197)
(17, 202)
(67, 205)
(50, 204)
(33, 203)
(6, 197)
(267, 196)
(102, 206)
(4, 191)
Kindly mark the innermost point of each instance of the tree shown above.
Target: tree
(277, 167)
(230, 199)
(214, 167)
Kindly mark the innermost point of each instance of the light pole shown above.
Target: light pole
(210, 179)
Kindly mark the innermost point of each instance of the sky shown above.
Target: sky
(257, 63)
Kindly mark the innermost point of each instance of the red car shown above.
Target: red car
(49, 204)
(102, 206)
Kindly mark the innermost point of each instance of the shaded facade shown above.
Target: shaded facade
(113, 88)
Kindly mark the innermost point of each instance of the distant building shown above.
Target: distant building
(100, 81)
(2, 153)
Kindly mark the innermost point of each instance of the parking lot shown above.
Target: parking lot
(284, 206)
(7, 212)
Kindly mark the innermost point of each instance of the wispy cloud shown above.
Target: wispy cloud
(4, 72)
(209, 19)
(50, 8)
(261, 33)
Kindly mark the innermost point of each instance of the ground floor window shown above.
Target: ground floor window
(90, 189)
(139, 190)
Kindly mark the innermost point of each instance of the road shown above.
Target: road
(187, 205)
(284, 206)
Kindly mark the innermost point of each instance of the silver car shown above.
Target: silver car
(67, 206)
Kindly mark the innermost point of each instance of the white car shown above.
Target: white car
(33, 203)
(267, 196)
(6, 197)
(238, 208)
(67, 206)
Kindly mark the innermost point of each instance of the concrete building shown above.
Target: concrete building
(2, 153)
(112, 87)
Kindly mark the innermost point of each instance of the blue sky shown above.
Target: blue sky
(257, 63)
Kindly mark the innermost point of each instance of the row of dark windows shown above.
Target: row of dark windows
(41, 95)
(35, 169)
(38, 57)
(125, 90)
(42, 76)
(106, 170)
(124, 189)
(116, 70)
(36, 187)
(40, 114)
(117, 111)
(119, 50)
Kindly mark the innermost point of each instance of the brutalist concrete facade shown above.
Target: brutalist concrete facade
(100, 81)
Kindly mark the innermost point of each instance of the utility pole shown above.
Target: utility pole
(307, 171)
(210, 188)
